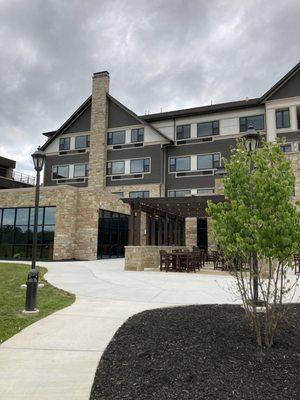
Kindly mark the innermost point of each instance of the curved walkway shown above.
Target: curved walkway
(56, 358)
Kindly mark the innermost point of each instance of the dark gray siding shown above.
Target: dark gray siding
(154, 152)
(7, 163)
(189, 182)
(290, 89)
(82, 123)
(63, 160)
(118, 117)
(290, 136)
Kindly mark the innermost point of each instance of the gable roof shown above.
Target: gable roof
(52, 135)
(141, 120)
(66, 124)
(280, 83)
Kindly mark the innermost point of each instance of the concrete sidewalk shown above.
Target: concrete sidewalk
(56, 358)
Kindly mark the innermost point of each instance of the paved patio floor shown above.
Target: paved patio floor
(56, 357)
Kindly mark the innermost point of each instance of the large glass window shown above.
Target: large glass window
(179, 164)
(80, 170)
(208, 161)
(208, 128)
(256, 120)
(16, 232)
(141, 194)
(140, 165)
(137, 135)
(60, 172)
(64, 144)
(283, 119)
(179, 193)
(82, 142)
(115, 167)
(117, 137)
(183, 132)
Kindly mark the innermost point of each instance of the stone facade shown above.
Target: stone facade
(99, 117)
(76, 227)
(137, 258)
(191, 232)
(295, 159)
(156, 190)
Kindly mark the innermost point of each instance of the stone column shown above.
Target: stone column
(143, 228)
(191, 232)
(97, 160)
(211, 244)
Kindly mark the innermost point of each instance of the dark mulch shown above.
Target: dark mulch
(199, 352)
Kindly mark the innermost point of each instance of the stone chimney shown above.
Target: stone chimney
(97, 161)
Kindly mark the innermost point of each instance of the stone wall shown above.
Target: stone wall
(156, 190)
(295, 159)
(99, 117)
(137, 258)
(191, 232)
(76, 230)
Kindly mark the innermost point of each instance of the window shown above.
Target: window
(64, 144)
(141, 194)
(137, 135)
(179, 164)
(118, 194)
(183, 132)
(208, 161)
(287, 148)
(256, 120)
(117, 137)
(141, 165)
(60, 172)
(179, 193)
(16, 232)
(205, 190)
(80, 170)
(82, 142)
(208, 128)
(115, 167)
(283, 119)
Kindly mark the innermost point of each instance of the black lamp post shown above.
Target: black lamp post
(33, 276)
(252, 141)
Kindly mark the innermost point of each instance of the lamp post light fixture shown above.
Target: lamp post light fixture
(33, 276)
(252, 142)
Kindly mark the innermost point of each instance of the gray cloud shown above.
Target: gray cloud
(161, 54)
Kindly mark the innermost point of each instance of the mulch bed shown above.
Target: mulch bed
(199, 352)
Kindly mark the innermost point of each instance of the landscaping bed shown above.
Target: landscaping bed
(198, 352)
(12, 299)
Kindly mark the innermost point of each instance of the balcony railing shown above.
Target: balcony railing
(17, 176)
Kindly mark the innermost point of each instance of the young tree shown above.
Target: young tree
(258, 220)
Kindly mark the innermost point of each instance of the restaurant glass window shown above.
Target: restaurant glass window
(16, 232)
(112, 234)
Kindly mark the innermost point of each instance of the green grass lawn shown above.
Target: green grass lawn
(12, 299)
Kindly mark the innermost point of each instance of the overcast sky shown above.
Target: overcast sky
(161, 54)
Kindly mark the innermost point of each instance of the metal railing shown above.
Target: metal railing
(17, 176)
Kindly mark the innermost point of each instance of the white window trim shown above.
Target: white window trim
(193, 162)
(127, 166)
(193, 191)
(60, 165)
(82, 176)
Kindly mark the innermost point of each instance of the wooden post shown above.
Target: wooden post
(166, 234)
(152, 230)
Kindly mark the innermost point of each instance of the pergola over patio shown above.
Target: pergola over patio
(162, 219)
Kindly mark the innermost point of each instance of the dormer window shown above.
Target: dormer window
(64, 144)
(208, 129)
(114, 138)
(183, 132)
(82, 142)
(258, 121)
(137, 135)
(283, 119)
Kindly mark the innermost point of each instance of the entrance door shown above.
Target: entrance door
(202, 233)
(112, 234)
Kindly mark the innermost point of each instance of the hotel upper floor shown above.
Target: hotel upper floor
(106, 145)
